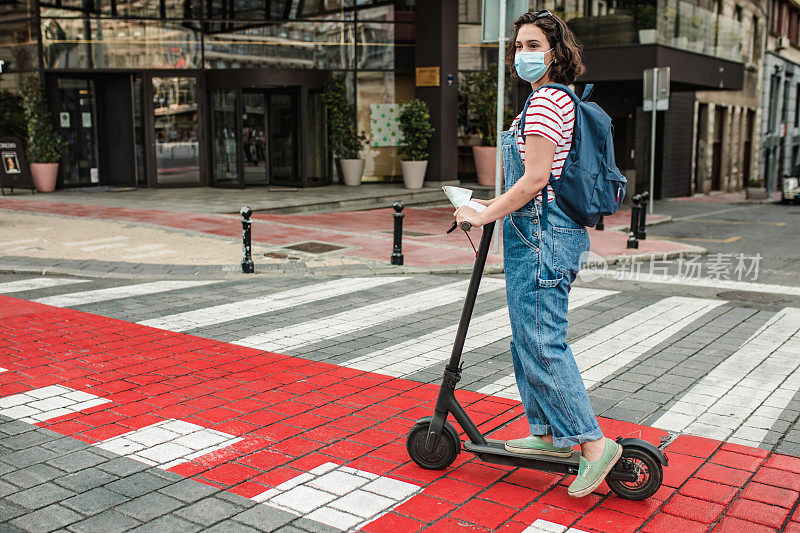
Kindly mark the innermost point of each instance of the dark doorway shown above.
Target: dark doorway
(748, 147)
(716, 153)
(77, 121)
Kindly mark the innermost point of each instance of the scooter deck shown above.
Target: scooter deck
(494, 451)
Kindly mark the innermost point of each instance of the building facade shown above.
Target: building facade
(227, 92)
(780, 121)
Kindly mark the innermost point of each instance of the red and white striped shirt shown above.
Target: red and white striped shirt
(551, 114)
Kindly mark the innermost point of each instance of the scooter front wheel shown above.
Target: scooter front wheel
(442, 456)
(649, 475)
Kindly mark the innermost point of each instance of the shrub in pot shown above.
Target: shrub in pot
(45, 145)
(344, 138)
(415, 125)
(480, 103)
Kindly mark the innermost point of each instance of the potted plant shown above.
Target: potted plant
(481, 97)
(45, 145)
(415, 125)
(645, 15)
(345, 139)
(756, 189)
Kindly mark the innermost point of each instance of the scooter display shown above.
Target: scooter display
(433, 443)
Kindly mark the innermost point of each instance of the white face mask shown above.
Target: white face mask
(530, 65)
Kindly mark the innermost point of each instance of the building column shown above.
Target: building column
(436, 29)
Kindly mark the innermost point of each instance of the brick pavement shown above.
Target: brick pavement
(303, 437)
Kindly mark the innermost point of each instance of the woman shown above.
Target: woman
(541, 265)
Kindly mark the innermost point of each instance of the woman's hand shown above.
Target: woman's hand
(467, 214)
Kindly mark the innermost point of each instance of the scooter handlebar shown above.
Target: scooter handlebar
(466, 226)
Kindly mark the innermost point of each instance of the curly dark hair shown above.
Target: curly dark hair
(567, 63)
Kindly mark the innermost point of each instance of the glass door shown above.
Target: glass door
(223, 136)
(77, 121)
(176, 130)
(254, 138)
(283, 118)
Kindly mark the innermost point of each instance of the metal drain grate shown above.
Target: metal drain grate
(314, 247)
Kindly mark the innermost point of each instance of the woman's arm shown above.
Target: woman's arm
(539, 154)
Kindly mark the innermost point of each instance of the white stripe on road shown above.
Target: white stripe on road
(115, 293)
(96, 241)
(20, 241)
(608, 349)
(168, 443)
(42, 404)
(104, 246)
(702, 282)
(36, 283)
(412, 355)
(265, 304)
(718, 404)
(312, 331)
(150, 254)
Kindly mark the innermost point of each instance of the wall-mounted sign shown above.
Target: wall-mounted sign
(384, 125)
(450, 80)
(14, 170)
(64, 119)
(86, 119)
(2, 64)
(427, 77)
(94, 175)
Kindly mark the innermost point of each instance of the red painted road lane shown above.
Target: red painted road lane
(289, 416)
(366, 234)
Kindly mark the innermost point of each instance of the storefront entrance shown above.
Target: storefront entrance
(262, 133)
(77, 121)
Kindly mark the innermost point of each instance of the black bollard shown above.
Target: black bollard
(633, 242)
(397, 252)
(600, 226)
(641, 233)
(247, 263)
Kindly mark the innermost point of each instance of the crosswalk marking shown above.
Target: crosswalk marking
(168, 443)
(96, 241)
(291, 337)
(18, 241)
(608, 349)
(265, 304)
(728, 284)
(718, 404)
(412, 355)
(42, 404)
(115, 293)
(36, 283)
(338, 496)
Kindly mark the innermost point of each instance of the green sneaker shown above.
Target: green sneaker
(532, 445)
(590, 475)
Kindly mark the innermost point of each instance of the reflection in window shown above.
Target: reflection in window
(313, 45)
(175, 130)
(111, 43)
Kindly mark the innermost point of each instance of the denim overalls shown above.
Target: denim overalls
(540, 268)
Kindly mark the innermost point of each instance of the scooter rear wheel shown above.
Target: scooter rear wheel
(649, 470)
(443, 455)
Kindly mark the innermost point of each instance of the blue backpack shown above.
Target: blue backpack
(590, 185)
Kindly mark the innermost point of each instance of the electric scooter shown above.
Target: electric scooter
(433, 443)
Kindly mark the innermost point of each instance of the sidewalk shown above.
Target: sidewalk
(210, 244)
(726, 197)
(167, 431)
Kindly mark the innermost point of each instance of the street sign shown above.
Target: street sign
(490, 17)
(662, 89)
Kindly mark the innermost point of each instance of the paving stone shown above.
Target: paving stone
(137, 484)
(188, 490)
(231, 527)
(94, 501)
(32, 475)
(149, 506)
(122, 466)
(305, 524)
(47, 519)
(29, 456)
(209, 511)
(85, 480)
(265, 516)
(7, 488)
(168, 524)
(9, 511)
(40, 496)
(107, 522)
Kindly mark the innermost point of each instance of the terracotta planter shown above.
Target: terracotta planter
(485, 164)
(352, 171)
(756, 193)
(44, 176)
(413, 173)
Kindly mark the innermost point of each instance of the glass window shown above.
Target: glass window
(317, 149)
(176, 126)
(112, 43)
(254, 137)
(313, 45)
(385, 46)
